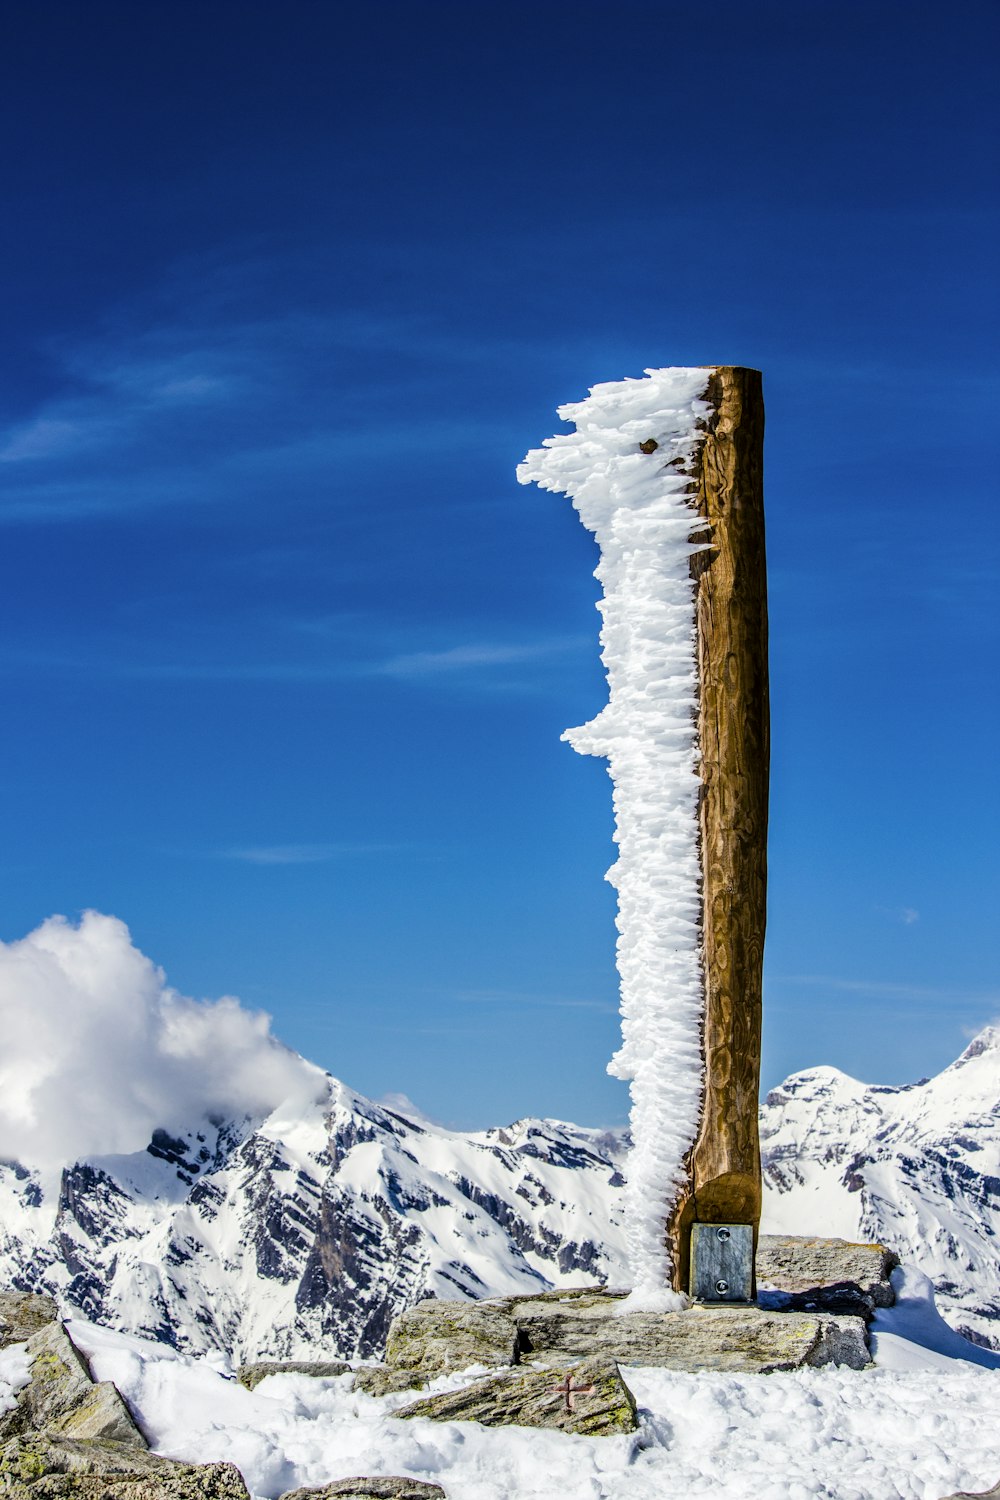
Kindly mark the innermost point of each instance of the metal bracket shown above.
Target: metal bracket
(721, 1262)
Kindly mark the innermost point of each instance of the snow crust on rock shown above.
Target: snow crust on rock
(639, 506)
(912, 1335)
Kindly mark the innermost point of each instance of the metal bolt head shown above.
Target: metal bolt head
(723, 1234)
(722, 1287)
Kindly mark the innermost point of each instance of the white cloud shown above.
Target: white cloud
(300, 854)
(470, 657)
(402, 1104)
(98, 1050)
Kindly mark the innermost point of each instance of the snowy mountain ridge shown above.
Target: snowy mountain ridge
(315, 1225)
(916, 1166)
(270, 1237)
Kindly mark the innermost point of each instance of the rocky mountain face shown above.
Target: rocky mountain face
(279, 1236)
(313, 1228)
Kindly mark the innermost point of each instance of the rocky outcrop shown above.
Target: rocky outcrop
(252, 1375)
(71, 1438)
(22, 1314)
(822, 1293)
(817, 1275)
(386, 1380)
(556, 1328)
(379, 1487)
(442, 1336)
(725, 1337)
(61, 1399)
(40, 1467)
(589, 1398)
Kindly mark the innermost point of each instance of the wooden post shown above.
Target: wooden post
(723, 1167)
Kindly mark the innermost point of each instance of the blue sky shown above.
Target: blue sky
(286, 650)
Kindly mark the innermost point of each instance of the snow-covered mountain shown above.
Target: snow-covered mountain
(311, 1228)
(314, 1228)
(915, 1167)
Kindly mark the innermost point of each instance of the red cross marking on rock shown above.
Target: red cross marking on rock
(567, 1389)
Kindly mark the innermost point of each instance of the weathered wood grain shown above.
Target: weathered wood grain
(723, 1169)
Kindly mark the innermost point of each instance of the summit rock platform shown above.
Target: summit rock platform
(816, 1299)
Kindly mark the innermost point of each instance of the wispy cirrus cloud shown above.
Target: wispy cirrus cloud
(908, 916)
(351, 652)
(189, 397)
(300, 854)
(532, 1000)
(893, 989)
(472, 657)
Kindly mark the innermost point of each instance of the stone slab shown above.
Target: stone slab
(252, 1375)
(824, 1275)
(22, 1314)
(993, 1494)
(555, 1330)
(42, 1467)
(377, 1487)
(442, 1336)
(62, 1398)
(739, 1338)
(588, 1398)
(385, 1380)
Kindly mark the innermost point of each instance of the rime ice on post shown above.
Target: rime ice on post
(667, 474)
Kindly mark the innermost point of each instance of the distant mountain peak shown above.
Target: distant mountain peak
(317, 1224)
(987, 1040)
(915, 1166)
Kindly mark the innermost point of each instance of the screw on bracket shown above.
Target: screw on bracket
(722, 1287)
(723, 1234)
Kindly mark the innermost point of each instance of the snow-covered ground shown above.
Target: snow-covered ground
(919, 1427)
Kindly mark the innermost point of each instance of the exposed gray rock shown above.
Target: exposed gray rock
(710, 1337)
(43, 1467)
(589, 1398)
(384, 1380)
(71, 1438)
(62, 1398)
(252, 1375)
(437, 1336)
(819, 1275)
(22, 1314)
(554, 1330)
(379, 1487)
(993, 1494)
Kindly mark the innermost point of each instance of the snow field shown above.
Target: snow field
(14, 1372)
(639, 507)
(918, 1434)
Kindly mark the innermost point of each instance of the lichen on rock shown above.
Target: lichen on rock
(589, 1398)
